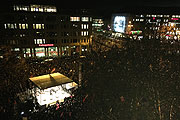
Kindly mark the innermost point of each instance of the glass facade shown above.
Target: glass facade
(65, 50)
(40, 52)
(52, 51)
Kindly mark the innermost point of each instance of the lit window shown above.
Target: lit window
(74, 18)
(85, 19)
(26, 26)
(42, 26)
(39, 41)
(84, 33)
(32, 9)
(5, 26)
(35, 41)
(11, 26)
(16, 49)
(17, 8)
(20, 26)
(40, 9)
(38, 26)
(34, 26)
(84, 26)
(23, 26)
(142, 16)
(15, 26)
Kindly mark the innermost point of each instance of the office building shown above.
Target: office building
(45, 31)
(152, 26)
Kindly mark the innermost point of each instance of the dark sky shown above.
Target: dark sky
(97, 4)
(117, 3)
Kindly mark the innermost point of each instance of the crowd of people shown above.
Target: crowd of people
(116, 84)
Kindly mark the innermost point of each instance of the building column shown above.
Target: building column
(69, 50)
(88, 50)
(31, 52)
(80, 50)
(34, 52)
(47, 52)
(60, 49)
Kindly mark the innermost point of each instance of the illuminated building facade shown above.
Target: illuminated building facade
(40, 30)
(97, 24)
(151, 26)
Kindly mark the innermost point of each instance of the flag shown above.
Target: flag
(53, 70)
(85, 98)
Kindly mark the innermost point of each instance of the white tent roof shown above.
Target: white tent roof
(50, 80)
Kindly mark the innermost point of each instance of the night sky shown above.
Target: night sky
(105, 7)
(108, 4)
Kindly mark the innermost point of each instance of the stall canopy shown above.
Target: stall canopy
(50, 80)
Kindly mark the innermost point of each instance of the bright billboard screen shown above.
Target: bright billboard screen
(119, 23)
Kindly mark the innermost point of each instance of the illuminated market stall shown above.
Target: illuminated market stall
(52, 87)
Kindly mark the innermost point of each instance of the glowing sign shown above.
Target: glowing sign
(174, 18)
(119, 23)
(46, 45)
(135, 32)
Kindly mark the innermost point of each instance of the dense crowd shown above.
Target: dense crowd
(117, 84)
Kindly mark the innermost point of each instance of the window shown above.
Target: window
(85, 19)
(74, 18)
(10, 26)
(39, 41)
(38, 26)
(22, 8)
(43, 8)
(40, 52)
(5, 26)
(23, 26)
(84, 33)
(84, 26)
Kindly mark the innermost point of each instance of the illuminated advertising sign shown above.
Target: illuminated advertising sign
(135, 32)
(119, 23)
(46, 45)
(174, 18)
